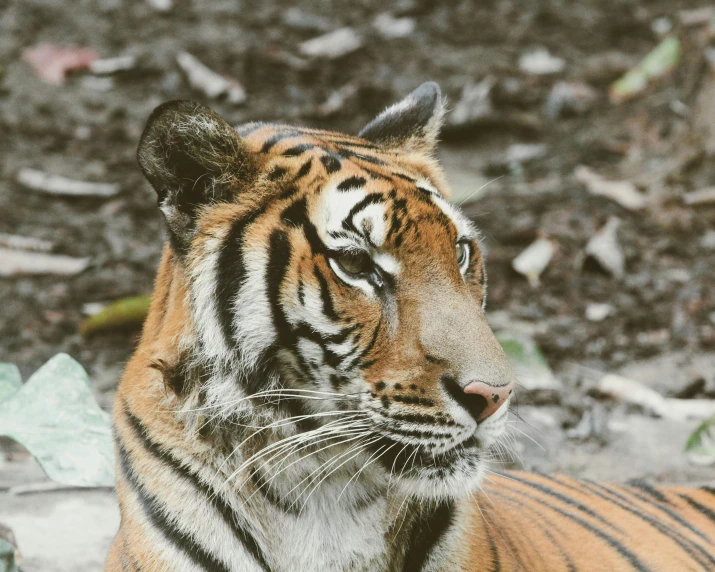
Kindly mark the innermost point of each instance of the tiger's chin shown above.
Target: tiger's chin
(459, 478)
(449, 474)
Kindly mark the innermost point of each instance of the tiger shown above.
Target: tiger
(316, 386)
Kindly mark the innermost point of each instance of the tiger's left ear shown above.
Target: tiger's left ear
(412, 124)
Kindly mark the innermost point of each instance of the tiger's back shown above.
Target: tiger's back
(316, 386)
(538, 522)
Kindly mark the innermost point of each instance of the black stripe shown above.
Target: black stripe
(496, 564)
(701, 508)
(153, 510)
(230, 275)
(403, 177)
(371, 199)
(276, 173)
(426, 534)
(229, 517)
(351, 183)
(350, 154)
(296, 215)
(298, 150)
(276, 269)
(325, 295)
(331, 163)
(248, 128)
(304, 170)
(277, 138)
(264, 488)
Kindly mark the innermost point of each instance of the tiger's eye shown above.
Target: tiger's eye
(355, 262)
(461, 251)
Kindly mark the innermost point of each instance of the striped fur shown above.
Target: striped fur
(284, 413)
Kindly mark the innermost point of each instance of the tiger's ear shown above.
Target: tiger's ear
(193, 159)
(412, 123)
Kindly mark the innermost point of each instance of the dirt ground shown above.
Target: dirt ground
(660, 328)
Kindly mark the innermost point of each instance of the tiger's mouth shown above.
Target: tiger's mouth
(414, 460)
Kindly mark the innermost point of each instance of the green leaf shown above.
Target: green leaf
(701, 444)
(54, 416)
(528, 362)
(10, 380)
(7, 557)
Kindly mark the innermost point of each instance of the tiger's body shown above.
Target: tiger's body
(316, 387)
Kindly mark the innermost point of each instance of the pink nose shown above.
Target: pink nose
(487, 398)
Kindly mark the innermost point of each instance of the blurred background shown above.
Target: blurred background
(580, 140)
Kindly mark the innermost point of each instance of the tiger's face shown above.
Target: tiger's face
(334, 269)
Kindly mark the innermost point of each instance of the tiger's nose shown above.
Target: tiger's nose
(487, 399)
(484, 399)
(479, 398)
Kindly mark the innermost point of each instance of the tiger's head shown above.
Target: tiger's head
(329, 278)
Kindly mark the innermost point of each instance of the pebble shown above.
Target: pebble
(541, 62)
(598, 312)
(390, 27)
(300, 20)
(332, 45)
(525, 152)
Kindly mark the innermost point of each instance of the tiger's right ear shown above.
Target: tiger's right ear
(193, 159)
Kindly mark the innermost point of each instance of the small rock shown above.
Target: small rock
(605, 249)
(569, 97)
(598, 312)
(525, 152)
(624, 193)
(474, 104)
(534, 260)
(299, 20)
(704, 196)
(390, 27)
(332, 45)
(161, 5)
(661, 26)
(541, 62)
(112, 65)
(679, 275)
(98, 84)
(204, 79)
(679, 108)
(697, 16)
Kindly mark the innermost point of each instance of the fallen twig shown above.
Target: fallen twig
(19, 262)
(57, 185)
